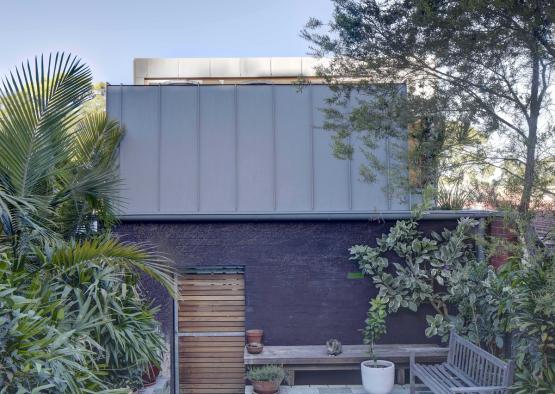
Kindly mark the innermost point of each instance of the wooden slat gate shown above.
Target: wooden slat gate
(210, 338)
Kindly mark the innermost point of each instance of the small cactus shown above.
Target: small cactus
(334, 347)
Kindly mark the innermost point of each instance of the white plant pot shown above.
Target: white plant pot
(377, 380)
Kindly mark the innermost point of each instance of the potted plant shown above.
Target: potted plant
(150, 375)
(266, 378)
(377, 375)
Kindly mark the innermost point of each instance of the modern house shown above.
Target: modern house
(228, 172)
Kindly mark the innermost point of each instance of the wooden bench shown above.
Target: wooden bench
(316, 358)
(469, 369)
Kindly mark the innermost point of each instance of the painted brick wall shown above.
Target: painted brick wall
(295, 273)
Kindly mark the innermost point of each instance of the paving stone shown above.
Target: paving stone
(320, 389)
(335, 390)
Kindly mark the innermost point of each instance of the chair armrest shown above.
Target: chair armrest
(477, 389)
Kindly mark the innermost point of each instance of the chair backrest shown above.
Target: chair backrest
(481, 367)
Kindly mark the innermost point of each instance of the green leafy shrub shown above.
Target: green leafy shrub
(532, 321)
(468, 295)
(427, 267)
(45, 343)
(375, 324)
(99, 273)
(266, 373)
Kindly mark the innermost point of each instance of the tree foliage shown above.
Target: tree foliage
(468, 295)
(469, 79)
(73, 318)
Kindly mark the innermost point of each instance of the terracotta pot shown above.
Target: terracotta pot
(254, 336)
(150, 375)
(255, 348)
(266, 387)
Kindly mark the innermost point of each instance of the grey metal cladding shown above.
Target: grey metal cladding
(242, 149)
(293, 158)
(178, 151)
(255, 149)
(139, 151)
(217, 149)
(331, 176)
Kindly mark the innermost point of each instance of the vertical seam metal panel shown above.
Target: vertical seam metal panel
(350, 179)
(198, 148)
(122, 124)
(274, 147)
(236, 105)
(388, 184)
(312, 169)
(159, 181)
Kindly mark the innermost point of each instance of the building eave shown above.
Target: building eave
(302, 216)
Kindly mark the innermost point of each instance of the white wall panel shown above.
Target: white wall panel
(293, 149)
(139, 153)
(217, 149)
(178, 150)
(255, 149)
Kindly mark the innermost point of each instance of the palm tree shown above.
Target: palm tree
(58, 175)
(52, 177)
(59, 190)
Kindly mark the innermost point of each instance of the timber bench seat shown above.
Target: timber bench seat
(469, 369)
(316, 358)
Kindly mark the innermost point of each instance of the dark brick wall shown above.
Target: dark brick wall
(295, 272)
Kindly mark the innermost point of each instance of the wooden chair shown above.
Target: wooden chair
(469, 370)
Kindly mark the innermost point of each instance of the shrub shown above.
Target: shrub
(470, 296)
(375, 324)
(429, 267)
(266, 373)
(45, 344)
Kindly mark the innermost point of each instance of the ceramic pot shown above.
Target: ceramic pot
(150, 375)
(255, 348)
(254, 336)
(377, 378)
(265, 387)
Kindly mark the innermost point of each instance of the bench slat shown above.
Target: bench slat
(467, 366)
(352, 354)
(429, 380)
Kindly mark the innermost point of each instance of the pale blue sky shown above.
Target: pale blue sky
(108, 34)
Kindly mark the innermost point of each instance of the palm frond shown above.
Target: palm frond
(40, 107)
(128, 256)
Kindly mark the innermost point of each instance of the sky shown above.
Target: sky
(107, 35)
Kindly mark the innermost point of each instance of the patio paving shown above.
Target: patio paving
(334, 390)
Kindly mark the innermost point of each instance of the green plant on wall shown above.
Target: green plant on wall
(423, 269)
(375, 325)
(469, 295)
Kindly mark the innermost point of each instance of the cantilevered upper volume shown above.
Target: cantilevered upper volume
(232, 138)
